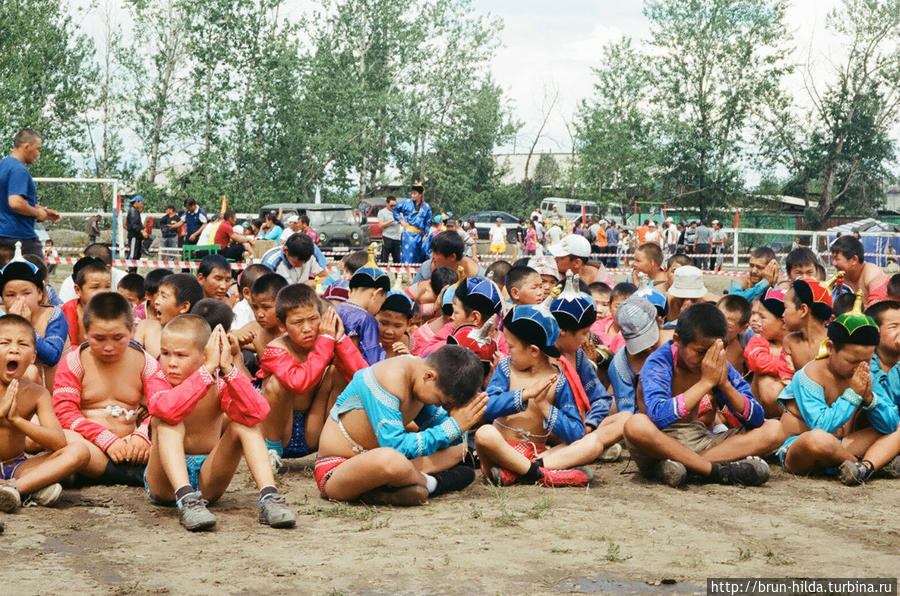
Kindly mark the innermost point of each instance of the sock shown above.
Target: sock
(267, 491)
(276, 445)
(182, 492)
(540, 462)
(430, 483)
(123, 473)
(717, 471)
(533, 474)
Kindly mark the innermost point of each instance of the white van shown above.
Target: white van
(571, 209)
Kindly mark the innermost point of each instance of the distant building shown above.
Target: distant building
(513, 165)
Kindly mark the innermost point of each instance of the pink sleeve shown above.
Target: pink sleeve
(67, 403)
(759, 357)
(299, 377)
(174, 404)
(348, 359)
(241, 401)
(143, 431)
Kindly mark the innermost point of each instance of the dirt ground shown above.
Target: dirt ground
(622, 535)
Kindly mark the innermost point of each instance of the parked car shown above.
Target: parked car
(369, 209)
(484, 220)
(337, 225)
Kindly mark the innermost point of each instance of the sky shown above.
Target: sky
(550, 47)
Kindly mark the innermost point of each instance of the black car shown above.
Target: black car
(484, 220)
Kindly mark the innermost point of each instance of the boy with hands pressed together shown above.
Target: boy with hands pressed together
(669, 439)
(204, 425)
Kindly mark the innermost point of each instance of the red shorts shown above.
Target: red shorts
(323, 470)
(529, 450)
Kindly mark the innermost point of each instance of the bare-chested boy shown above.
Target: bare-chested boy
(101, 393)
(366, 452)
(300, 384)
(848, 255)
(669, 439)
(203, 426)
(825, 401)
(807, 307)
(36, 476)
(266, 327)
(177, 294)
(529, 400)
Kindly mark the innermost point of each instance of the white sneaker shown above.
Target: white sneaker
(275, 461)
(611, 453)
(10, 500)
(46, 496)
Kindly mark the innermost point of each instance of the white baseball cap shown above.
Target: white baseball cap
(688, 283)
(292, 219)
(670, 220)
(544, 266)
(571, 244)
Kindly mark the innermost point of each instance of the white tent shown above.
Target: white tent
(876, 236)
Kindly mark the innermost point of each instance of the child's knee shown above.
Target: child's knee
(819, 442)
(487, 435)
(78, 453)
(638, 428)
(392, 463)
(773, 433)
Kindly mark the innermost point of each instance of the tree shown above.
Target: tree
(48, 76)
(616, 140)
(546, 172)
(713, 61)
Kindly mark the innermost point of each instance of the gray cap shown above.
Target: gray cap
(636, 317)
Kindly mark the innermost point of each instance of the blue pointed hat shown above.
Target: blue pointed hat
(534, 325)
(399, 302)
(370, 276)
(20, 269)
(481, 294)
(656, 298)
(573, 309)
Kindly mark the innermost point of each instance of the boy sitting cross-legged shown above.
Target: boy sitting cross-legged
(369, 287)
(300, 385)
(574, 312)
(825, 399)
(91, 277)
(765, 356)
(393, 323)
(528, 401)
(668, 439)
(101, 392)
(256, 335)
(36, 476)
(807, 307)
(203, 426)
(366, 453)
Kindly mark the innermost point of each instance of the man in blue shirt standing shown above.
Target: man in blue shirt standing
(18, 197)
(414, 214)
(612, 245)
(195, 219)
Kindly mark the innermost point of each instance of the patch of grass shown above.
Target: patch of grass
(335, 592)
(475, 513)
(614, 553)
(743, 554)
(343, 510)
(376, 523)
(539, 508)
(561, 551)
(774, 558)
(505, 517)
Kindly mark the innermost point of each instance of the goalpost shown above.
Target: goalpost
(118, 236)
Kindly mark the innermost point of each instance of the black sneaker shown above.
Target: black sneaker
(456, 478)
(853, 473)
(750, 471)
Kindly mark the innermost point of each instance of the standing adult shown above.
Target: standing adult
(20, 209)
(195, 219)
(414, 214)
(134, 228)
(612, 245)
(718, 241)
(521, 237)
(391, 231)
(92, 227)
(671, 237)
(702, 245)
(169, 224)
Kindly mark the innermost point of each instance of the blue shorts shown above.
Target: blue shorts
(9, 467)
(297, 446)
(193, 463)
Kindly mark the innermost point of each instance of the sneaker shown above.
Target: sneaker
(502, 477)
(404, 496)
(275, 461)
(10, 500)
(750, 471)
(273, 511)
(193, 514)
(572, 477)
(46, 496)
(456, 478)
(611, 453)
(671, 472)
(853, 473)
